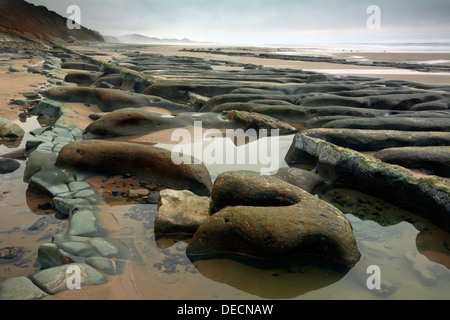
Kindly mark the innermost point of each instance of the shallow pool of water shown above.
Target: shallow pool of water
(412, 254)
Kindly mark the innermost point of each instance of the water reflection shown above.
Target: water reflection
(430, 240)
(280, 283)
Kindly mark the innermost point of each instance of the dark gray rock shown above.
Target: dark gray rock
(14, 69)
(8, 165)
(374, 140)
(391, 123)
(434, 159)
(49, 108)
(10, 253)
(86, 78)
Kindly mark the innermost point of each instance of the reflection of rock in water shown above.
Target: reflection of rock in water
(286, 283)
(431, 241)
(364, 206)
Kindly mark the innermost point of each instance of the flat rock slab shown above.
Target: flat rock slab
(56, 279)
(374, 140)
(252, 120)
(428, 197)
(86, 78)
(20, 288)
(436, 159)
(180, 212)
(110, 99)
(88, 223)
(391, 123)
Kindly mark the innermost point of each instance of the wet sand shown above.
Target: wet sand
(12, 84)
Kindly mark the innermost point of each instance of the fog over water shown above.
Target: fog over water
(265, 22)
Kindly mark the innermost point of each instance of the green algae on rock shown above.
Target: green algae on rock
(428, 197)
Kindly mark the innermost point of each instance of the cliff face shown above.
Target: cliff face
(20, 19)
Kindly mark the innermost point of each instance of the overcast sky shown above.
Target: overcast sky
(264, 21)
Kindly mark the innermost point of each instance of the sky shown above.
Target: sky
(265, 22)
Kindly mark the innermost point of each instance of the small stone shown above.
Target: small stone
(38, 225)
(10, 253)
(138, 193)
(153, 198)
(14, 69)
(30, 95)
(8, 166)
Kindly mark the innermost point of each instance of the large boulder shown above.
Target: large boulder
(149, 163)
(310, 230)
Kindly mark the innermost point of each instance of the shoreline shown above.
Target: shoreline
(387, 64)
